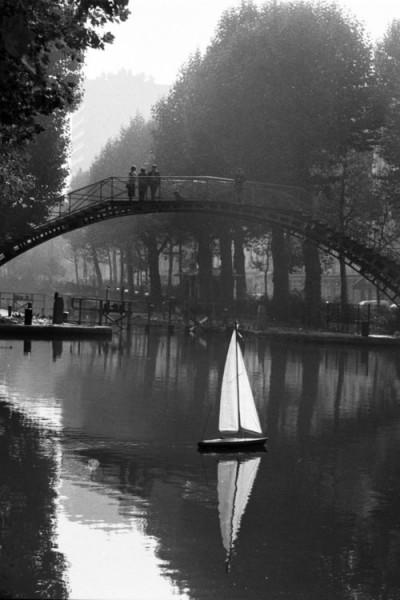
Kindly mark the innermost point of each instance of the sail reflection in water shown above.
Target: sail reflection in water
(236, 478)
(101, 494)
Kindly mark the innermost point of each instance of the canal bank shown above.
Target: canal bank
(282, 333)
(49, 332)
(45, 329)
(17, 326)
(328, 337)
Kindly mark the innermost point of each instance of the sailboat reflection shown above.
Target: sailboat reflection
(236, 478)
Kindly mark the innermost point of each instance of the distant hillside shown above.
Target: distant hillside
(109, 102)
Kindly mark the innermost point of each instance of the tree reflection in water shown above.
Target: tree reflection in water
(322, 520)
(31, 566)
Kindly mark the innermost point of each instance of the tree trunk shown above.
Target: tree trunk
(239, 264)
(122, 269)
(344, 296)
(226, 277)
(97, 269)
(154, 270)
(342, 206)
(280, 275)
(110, 269)
(76, 264)
(129, 270)
(312, 286)
(85, 269)
(170, 266)
(180, 268)
(115, 270)
(204, 260)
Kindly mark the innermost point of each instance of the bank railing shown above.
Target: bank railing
(253, 315)
(17, 302)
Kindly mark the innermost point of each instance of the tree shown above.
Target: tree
(312, 101)
(387, 61)
(132, 238)
(41, 51)
(309, 103)
(30, 34)
(387, 172)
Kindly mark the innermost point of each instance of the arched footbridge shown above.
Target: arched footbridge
(290, 208)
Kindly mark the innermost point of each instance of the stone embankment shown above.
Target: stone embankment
(43, 328)
(13, 327)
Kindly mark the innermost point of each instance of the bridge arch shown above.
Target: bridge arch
(287, 207)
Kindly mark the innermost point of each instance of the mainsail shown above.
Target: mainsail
(237, 407)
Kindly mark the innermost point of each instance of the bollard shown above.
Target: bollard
(58, 309)
(28, 315)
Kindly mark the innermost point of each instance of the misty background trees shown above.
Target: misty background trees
(293, 93)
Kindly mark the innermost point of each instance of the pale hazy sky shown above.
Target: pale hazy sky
(161, 34)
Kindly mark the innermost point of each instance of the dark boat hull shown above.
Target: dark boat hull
(231, 444)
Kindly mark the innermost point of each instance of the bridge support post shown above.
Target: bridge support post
(149, 307)
(365, 328)
(170, 307)
(100, 312)
(261, 318)
(80, 311)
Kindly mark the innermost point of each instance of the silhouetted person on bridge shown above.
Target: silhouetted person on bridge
(154, 181)
(131, 185)
(143, 182)
(239, 180)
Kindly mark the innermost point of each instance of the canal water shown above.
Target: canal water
(103, 493)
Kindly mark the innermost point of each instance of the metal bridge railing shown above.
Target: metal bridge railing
(289, 199)
(210, 189)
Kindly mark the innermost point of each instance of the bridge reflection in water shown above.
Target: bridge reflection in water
(290, 208)
(104, 495)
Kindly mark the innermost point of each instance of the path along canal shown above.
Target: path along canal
(103, 493)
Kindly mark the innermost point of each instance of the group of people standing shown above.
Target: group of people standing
(144, 181)
(151, 181)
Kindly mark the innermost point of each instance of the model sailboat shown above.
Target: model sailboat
(236, 478)
(239, 425)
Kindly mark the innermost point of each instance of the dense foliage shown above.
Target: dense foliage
(42, 45)
(289, 92)
(292, 92)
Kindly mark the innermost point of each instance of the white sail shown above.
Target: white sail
(247, 409)
(235, 481)
(229, 412)
(237, 408)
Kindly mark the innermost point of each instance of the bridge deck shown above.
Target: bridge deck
(288, 207)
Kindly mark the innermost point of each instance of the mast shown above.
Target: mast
(237, 377)
(232, 524)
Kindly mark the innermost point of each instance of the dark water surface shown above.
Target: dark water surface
(104, 495)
